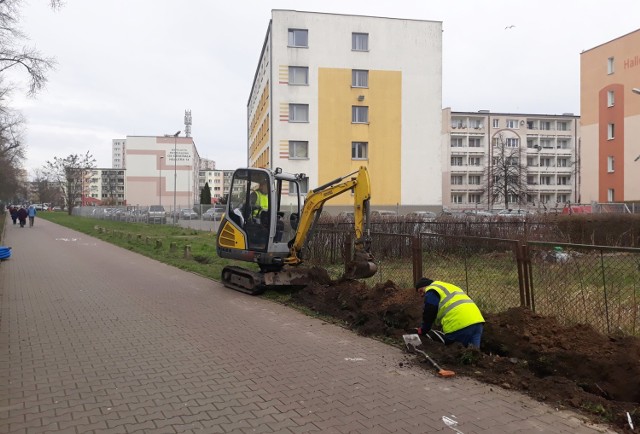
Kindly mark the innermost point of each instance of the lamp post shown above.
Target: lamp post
(636, 90)
(175, 173)
(160, 183)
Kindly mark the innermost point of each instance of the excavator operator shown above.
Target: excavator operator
(260, 199)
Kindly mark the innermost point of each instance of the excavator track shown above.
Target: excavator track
(255, 283)
(243, 280)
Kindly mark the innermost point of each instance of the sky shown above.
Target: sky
(132, 67)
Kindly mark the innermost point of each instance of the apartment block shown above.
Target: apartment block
(219, 182)
(105, 186)
(610, 118)
(334, 92)
(544, 146)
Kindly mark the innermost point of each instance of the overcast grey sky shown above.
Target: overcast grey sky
(131, 67)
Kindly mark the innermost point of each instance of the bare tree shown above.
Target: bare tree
(15, 54)
(507, 178)
(73, 174)
(45, 190)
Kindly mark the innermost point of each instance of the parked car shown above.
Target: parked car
(214, 213)
(514, 213)
(188, 214)
(421, 216)
(156, 214)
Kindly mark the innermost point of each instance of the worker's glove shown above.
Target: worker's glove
(420, 332)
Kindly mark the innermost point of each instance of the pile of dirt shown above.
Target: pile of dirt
(565, 366)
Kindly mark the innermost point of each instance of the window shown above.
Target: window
(532, 180)
(474, 179)
(611, 195)
(456, 161)
(530, 125)
(360, 41)
(562, 198)
(298, 112)
(610, 98)
(474, 161)
(545, 125)
(359, 114)
(456, 142)
(299, 75)
(532, 143)
(475, 142)
(496, 123)
(298, 149)
(476, 123)
(298, 38)
(456, 198)
(546, 143)
(513, 198)
(359, 150)
(545, 162)
(545, 180)
(564, 180)
(545, 198)
(512, 161)
(359, 78)
(563, 162)
(304, 186)
(512, 123)
(562, 126)
(563, 143)
(531, 161)
(456, 179)
(512, 142)
(610, 164)
(611, 131)
(610, 68)
(475, 198)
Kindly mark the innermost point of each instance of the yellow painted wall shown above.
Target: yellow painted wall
(383, 133)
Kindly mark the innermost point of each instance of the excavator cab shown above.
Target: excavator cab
(263, 208)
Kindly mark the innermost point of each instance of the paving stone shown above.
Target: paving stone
(101, 339)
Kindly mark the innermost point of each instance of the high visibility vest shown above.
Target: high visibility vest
(262, 201)
(456, 310)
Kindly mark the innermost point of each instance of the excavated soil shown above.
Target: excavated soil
(575, 367)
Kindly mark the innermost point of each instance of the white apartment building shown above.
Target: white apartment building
(106, 186)
(334, 92)
(206, 164)
(118, 147)
(218, 181)
(547, 144)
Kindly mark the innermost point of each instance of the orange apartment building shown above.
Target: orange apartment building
(610, 121)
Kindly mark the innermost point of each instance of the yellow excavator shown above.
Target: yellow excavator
(266, 223)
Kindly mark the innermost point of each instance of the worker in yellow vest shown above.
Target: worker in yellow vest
(448, 306)
(260, 199)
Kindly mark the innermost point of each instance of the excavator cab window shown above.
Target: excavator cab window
(249, 206)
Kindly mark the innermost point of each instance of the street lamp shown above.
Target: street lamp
(636, 90)
(160, 183)
(175, 173)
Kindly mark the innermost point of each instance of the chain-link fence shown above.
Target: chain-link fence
(486, 268)
(578, 284)
(593, 285)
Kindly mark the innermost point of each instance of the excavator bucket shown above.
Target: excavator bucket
(361, 267)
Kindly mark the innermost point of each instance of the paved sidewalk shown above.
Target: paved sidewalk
(94, 338)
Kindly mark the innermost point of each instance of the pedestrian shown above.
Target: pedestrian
(448, 306)
(14, 214)
(22, 216)
(32, 215)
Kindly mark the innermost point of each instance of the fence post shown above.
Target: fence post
(523, 262)
(416, 244)
(347, 253)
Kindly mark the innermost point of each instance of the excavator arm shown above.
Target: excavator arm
(363, 264)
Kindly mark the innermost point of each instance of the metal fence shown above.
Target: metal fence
(578, 284)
